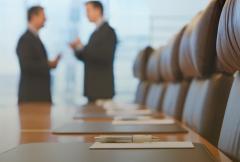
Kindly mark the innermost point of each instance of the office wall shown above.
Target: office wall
(168, 16)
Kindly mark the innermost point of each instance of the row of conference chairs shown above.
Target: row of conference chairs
(195, 78)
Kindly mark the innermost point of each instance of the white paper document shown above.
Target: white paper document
(143, 122)
(133, 118)
(147, 145)
(120, 106)
(128, 112)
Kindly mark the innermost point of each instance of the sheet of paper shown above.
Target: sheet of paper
(129, 112)
(143, 122)
(133, 117)
(120, 106)
(148, 145)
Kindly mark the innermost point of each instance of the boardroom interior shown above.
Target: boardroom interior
(177, 84)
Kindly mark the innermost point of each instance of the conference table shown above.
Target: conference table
(32, 123)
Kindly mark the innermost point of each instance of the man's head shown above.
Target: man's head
(95, 10)
(36, 17)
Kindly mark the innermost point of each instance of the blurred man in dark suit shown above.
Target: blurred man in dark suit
(97, 55)
(35, 68)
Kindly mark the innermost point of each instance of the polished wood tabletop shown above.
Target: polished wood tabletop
(31, 123)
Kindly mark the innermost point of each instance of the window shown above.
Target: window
(137, 22)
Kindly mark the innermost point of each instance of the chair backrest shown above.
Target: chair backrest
(174, 99)
(177, 87)
(229, 141)
(140, 64)
(141, 93)
(205, 105)
(207, 97)
(198, 47)
(139, 71)
(228, 50)
(157, 87)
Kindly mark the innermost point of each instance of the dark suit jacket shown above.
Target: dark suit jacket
(34, 83)
(98, 58)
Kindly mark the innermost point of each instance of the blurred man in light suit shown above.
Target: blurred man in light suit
(97, 55)
(35, 67)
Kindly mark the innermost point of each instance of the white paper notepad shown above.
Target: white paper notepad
(133, 118)
(120, 106)
(148, 145)
(143, 122)
(129, 112)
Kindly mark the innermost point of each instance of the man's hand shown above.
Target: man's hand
(76, 44)
(53, 64)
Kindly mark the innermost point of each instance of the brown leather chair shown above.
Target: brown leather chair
(141, 93)
(177, 87)
(174, 99)
(169, 59)
(229, 141)
(205, 105)
(140, 64)
(229, 38)
(185, 58)
(207, 97)
(139, 71)
(228, 50)
(157, 88)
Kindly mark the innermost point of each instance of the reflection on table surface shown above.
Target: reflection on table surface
(31, 123)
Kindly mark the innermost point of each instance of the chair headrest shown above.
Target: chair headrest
(169, 59)
(140, 64)
(153, 70)
(228, 38)
(198, 47)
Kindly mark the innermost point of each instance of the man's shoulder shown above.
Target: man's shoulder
(25, 40)
(109, 29)
(26, 36)
(108, 26)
